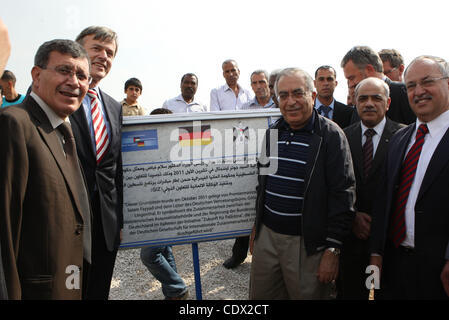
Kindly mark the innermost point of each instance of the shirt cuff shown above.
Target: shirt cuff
(333, 243)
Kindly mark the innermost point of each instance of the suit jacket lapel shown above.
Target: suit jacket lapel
(337, 112)
(382, 147)
(438, 162)
(399, 151)
(79, 117)
(52, 140)
(355, 141)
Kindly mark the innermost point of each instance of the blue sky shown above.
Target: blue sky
(159, 41)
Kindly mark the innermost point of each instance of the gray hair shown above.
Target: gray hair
(372, 79)
(362, 56)
(442, 64)
(229, 61)
(260, 71)
(100, 33)
(294, 72)
(275, 73)
(62, 46)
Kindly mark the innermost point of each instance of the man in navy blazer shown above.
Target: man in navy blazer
(362, 62)
(104, 174)
(325, 83)
(372, 102)
(413, 257)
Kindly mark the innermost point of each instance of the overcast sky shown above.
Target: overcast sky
(159, 41)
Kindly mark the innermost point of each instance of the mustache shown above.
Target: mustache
(417, 99)
(75, 92)
(369, 109)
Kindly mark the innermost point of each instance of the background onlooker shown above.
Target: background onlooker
(130, 105)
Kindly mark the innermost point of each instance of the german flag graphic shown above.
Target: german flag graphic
(194, 136)
(140, 142)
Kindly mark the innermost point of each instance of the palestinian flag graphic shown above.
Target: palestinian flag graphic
(194, 136)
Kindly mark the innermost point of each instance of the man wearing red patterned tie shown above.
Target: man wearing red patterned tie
(97, 130)
(410, 241)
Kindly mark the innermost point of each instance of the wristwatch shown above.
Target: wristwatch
(334, 251)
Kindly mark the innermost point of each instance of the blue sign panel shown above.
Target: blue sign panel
(139, 140)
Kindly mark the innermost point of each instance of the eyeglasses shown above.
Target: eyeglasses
(296, 94)
(389, 71)
(424, 83)
(66, 72)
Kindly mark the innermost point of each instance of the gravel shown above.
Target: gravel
(132, 281)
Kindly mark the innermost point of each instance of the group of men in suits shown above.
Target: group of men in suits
(61, 196)
(401, 223)
(61, 209)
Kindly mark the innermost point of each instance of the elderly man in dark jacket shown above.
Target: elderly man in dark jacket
(305, 199)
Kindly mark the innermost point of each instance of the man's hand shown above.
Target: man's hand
(445, 277)
(362, 225)
(328, 269)
(376, 260)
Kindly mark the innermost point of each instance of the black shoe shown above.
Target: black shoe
(232, 262)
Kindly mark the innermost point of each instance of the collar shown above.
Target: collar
(180, 98)
(307, 128)
(379, 128)
(54, 119)
(269, 104)
(318, 103)
(129, 105)
(226, 87)
(436, 125)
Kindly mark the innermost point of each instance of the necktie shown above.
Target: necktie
(75, 172)
(324, 110)
(101, 134)
(368, 151)
(408, 170)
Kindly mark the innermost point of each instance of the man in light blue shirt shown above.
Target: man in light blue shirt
(260, 86)
(185, 102)
(230, 96)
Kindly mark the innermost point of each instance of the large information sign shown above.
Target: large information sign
(190, 178)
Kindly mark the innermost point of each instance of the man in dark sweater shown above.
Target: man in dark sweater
(304, 205)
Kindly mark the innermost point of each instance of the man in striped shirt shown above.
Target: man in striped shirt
(304, 209)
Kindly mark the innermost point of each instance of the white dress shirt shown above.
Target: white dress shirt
(223, 98)
(376, 138)
(437, 128)
(179, 105)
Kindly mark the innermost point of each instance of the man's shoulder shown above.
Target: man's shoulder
(342, 108)
(173, 100)
(17, 116)
(397, 89)
(352, 128)
(219, 88)
(393, 125)
(400, 132)
(107, 99)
